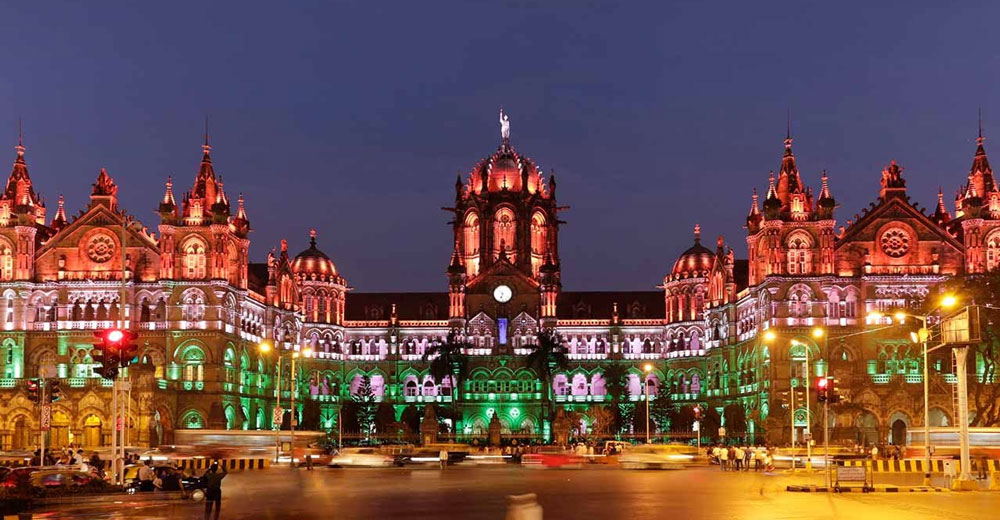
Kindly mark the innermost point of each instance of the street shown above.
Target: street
(592, 492)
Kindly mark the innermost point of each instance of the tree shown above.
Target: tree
(601, 421)
(983, 359)
(448, 359)
(547, 354)
(385, 419)
(710, 422)
(310, 415)
(349, 413)
(683, 419)
(365, 398)
(736, 420)
(411, 419)
(661, 411)
(614, 376)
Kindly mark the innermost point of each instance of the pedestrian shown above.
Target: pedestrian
(723, 458)
(983, 465)
(309, 461)
(874, 452)
(737, 459)
(146, 477)
(747, 455)
(758, 458)
(213, 489)
(443, 458)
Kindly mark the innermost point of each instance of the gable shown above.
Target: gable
(896, 238)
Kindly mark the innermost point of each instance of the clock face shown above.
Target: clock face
(502, 294)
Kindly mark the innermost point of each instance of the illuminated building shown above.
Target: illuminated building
(202, 308)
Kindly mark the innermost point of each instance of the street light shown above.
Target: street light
(947, 301)
(266, 348)
(806, 378)
(647, 368)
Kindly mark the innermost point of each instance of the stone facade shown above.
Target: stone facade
(202, 310)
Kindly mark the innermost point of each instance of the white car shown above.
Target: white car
(361, 457)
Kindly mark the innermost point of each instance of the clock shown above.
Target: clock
(502, 293)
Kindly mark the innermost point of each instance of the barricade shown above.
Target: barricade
(913, 465)
(229, 464)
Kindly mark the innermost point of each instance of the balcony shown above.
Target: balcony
(587, 355)
(581, 398)
(641, 355)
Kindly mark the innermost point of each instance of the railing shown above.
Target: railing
(881, 379)
(642, 322)
(584, 323)
(581, 398)
(587, 355)
(685, 353)
(641, 355)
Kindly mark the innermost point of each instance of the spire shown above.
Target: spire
(206, 148)
(754, 206)
(697, 233)
(104, 190)
(312, 238)
(941, 215)
(456, 267)
(20, 143)
(980, 173)
(240, 223)
(59, 221)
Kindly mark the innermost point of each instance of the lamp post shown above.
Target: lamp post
(295, 390)
(265, 348)
(921, 336)
(647, 368)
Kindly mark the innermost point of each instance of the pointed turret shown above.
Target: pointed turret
(19, 193)
(980, 173)
(826, 203)
(456, 267)
(59, 221)
(789, 181)
(168, 206)
(772, 204)
(941, 215)
(240, 223)
(754, 218)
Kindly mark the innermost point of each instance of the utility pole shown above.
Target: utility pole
(961, 354)
(43, 422)
(826, 440)
(808, 415)
(791, 414)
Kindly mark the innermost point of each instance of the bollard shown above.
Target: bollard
(523, 507)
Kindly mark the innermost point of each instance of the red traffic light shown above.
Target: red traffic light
(114, 335)
(822, 383)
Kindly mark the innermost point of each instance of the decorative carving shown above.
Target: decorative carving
(895, 242)
(101, 248)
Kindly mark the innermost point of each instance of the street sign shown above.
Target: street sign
(277, 416)
(696, 426)
(46, 417)
(125, 386)
(851, 474)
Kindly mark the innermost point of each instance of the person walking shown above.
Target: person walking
(737, 459)
(213, 489)
(723, 458)
(747, 455)
(309, 461)
(983, 465)
(443, 458)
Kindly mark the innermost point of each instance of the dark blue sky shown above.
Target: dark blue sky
(355, 117)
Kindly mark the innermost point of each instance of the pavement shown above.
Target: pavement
(590, 492)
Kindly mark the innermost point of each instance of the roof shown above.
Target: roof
(257, 276)
(409, 305)
(600, 304)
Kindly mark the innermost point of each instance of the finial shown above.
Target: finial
(206, 147)
(284, 245)
(20, 139)
(788, 125)
(312, 237)
(697, 232)
(504, 126)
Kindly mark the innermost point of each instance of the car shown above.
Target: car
(170, 478)
(657, 456)
(61, 477)
(12, 477)
(552, 457)
(361, 457)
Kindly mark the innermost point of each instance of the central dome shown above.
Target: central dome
(505, 170)
(696, 261)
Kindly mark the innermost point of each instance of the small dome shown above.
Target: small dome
(694, 262)
(313, 263)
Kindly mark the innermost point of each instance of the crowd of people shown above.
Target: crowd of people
(740, 458)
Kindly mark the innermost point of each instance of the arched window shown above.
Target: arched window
(194, 260)
(799, 254)
(6, 261)
(193, 361)
(505, 234)
(411, 388)
(470, 246)
(539, 241)
(992, 251)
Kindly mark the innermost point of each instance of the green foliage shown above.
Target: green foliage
(547, 354)
(365, 399)
(710, 422)
(682, 419)
(736, 420)
(447, 359)
(614, 376)
(385, 419)
(310, 415)
(411, 419)
(661, 411)
(349, 415)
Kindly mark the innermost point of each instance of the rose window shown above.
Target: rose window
(101, 248)
(895, 242)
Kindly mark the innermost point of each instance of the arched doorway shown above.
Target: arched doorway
(897, 436)
(867, 429)
(59, 433)
(92, 431)
(22, 435)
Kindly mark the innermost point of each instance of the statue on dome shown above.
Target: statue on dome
(504, 125)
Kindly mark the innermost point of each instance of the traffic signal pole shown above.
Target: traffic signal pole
(41, 411)
(826, 441)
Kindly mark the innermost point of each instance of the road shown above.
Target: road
(589, 493)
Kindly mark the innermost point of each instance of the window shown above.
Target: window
(411, 388)
(194, 260)
(992, 252)
(505, 234)
(6, 262)
(799, 254)
(471, 245)
(539, 241)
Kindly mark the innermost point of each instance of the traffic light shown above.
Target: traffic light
(107, 351)
(697, 413)
(33, 389)
(834, 392)
(55, 393)
(822, 389)
(129, 348)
